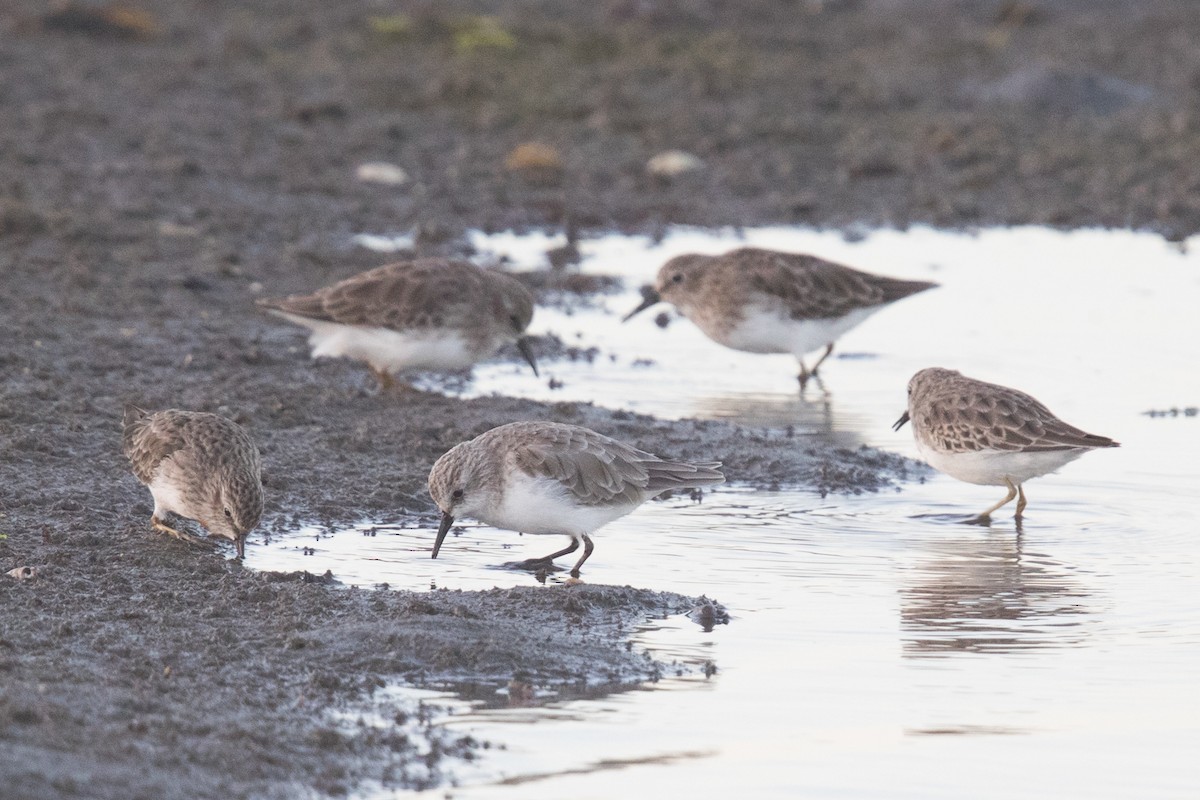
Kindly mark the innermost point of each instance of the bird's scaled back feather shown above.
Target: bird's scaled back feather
(813, 288)
(1002, 419)
(402, 296)
(148, 439)
(598, 470)
(218, 443)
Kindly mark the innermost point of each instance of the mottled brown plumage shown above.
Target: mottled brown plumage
(552, 478)
(956, 414)
(765, 301)
(431, 313)
(198, 465)
(989, 434)
(806, 286)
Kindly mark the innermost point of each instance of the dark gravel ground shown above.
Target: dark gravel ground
(163, 162)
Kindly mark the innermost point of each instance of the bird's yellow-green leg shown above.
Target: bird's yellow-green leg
(159, 525)
(1020, 500)
(386, 381)
(1012, 492)
(390, 383)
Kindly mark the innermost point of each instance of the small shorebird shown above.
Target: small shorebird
(432, 313)
(989, 434)
(200, 466)
(549, 478)
(765, 301)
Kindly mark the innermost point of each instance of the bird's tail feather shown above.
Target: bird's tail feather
(666, 475)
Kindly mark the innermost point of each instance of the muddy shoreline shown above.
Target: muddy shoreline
(163, 164)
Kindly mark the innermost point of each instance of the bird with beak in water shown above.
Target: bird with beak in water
(550, 478)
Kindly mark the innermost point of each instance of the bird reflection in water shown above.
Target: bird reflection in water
(990, 595)
(814, 414)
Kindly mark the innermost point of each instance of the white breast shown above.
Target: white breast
(168, 498)
(772, 330)
(390, 350)
(542, 506)
(991, 467)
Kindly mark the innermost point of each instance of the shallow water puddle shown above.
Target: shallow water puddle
(878, 648)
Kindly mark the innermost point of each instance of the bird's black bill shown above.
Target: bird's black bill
(527, 351)
(240, 542)
(443, 529)
(900, 422)
(649, 298)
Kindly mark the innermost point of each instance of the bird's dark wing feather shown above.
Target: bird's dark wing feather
(1002, 419)
(813, 288)
(598, 470)
(148, 439)
(403, 296)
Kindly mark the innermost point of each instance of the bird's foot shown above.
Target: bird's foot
(384, 378)
(387, 383)
(197, 541)
(811, 376)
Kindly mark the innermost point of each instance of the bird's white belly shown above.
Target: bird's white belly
(770, 330)
(542, 506)
(389, 350)
(167, 496)
(992, 467)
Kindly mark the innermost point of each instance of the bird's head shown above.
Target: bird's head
(236, 508)
(460, 486)
(515, 310)
(681, 277)
(677, 282)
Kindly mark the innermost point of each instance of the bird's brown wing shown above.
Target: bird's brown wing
(999, 418)
(148, 439)
(813, 288)
(598, 470)
(403, 296)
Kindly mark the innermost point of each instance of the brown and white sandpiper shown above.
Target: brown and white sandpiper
(549, 478)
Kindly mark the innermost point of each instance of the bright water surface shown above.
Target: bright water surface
(878, 648)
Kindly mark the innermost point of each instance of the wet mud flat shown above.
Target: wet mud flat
(165, 163)
(137, 666)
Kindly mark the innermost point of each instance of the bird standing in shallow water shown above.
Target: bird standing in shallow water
(989, 434)
(197, 465)
(432, 313)
(550, 478)
(765, 301)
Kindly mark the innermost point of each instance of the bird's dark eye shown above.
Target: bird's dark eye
(457, 494)
(229, 513)
(677, 277)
